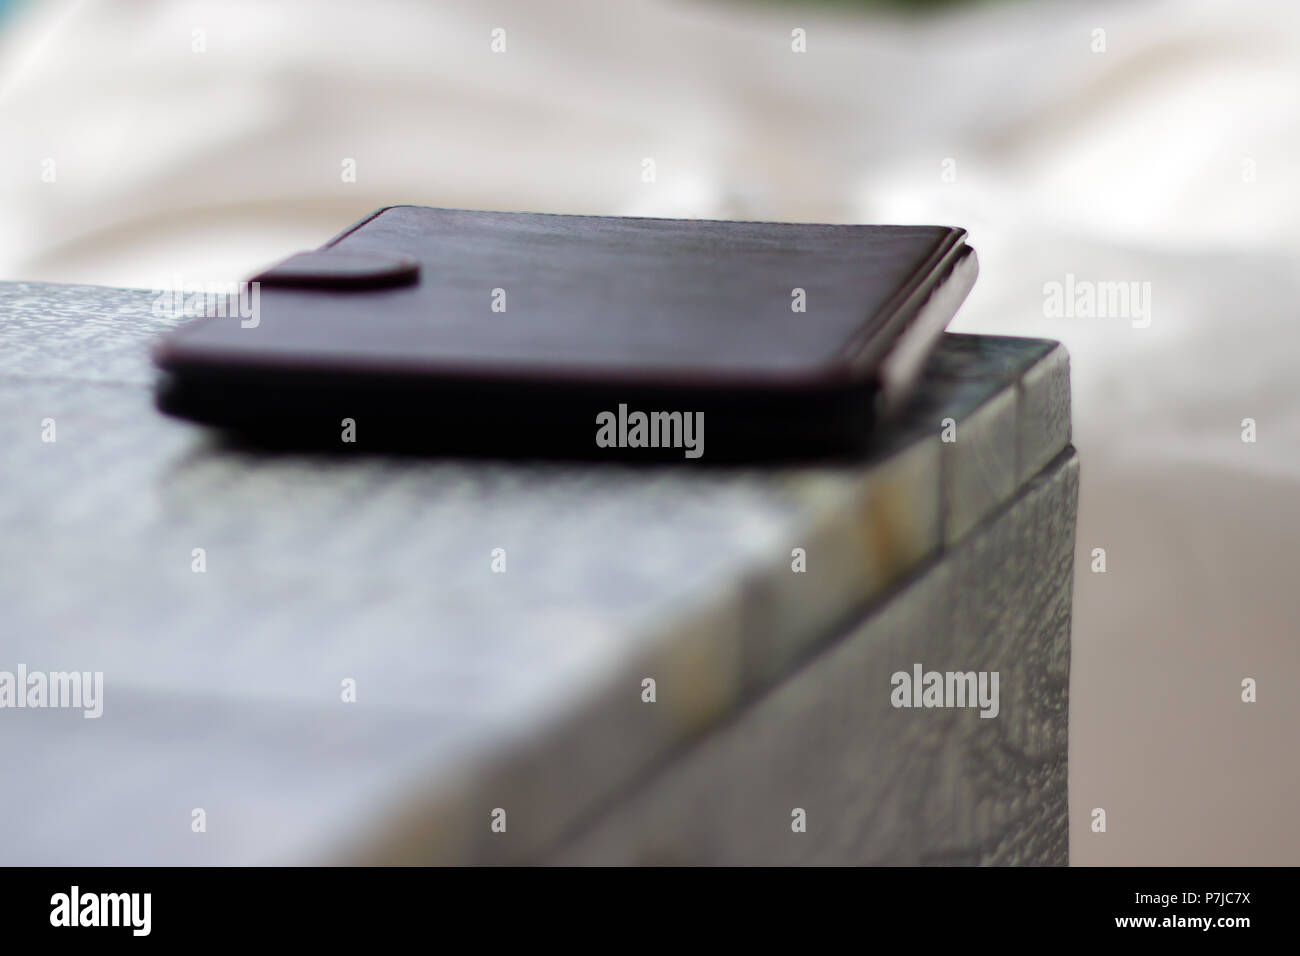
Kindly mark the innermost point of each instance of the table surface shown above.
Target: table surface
(223, 689)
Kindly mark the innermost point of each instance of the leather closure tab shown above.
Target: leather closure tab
(332, 268)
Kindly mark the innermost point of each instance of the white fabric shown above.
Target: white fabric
(1170, 158)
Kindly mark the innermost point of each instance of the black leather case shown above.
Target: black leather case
(508, 333)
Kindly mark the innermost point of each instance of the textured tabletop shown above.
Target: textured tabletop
(482, 678)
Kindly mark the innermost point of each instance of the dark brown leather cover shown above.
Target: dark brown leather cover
(499, 300)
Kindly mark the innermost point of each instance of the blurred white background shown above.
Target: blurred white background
(201, 141)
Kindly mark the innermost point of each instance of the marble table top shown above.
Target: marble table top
(324, 655)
